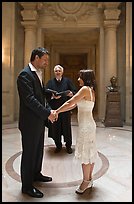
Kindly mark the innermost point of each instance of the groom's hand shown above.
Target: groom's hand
(53, 116)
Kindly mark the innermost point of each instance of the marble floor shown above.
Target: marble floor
(112, 173)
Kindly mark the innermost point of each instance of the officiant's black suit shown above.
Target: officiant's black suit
(63, 125)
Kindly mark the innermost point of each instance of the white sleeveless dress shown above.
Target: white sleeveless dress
(85, 148)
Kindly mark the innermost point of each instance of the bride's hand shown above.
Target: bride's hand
(53, 116)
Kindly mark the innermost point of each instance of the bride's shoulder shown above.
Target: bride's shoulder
(84, 87)
(83, 90)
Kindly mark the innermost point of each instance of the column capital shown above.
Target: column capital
(29, 25)
(112, 14)
(111, 5)
(29, 5)
(111, 24)
(29, 15)
(30, 12)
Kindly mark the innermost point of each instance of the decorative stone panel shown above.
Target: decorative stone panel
(66, 11)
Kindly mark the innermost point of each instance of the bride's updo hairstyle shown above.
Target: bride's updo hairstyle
(88, 77)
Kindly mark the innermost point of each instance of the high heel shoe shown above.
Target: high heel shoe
(90, 184)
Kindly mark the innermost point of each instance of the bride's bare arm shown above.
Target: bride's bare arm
(72, 103)
(70, 108)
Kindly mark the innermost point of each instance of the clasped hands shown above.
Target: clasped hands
(53, 116)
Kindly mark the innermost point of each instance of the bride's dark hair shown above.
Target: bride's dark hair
(88, 77)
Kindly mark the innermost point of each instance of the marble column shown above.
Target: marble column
(101, 94)
(111, 22)
(30, 41)
(110, 59)
(40, 37)
(30, 16)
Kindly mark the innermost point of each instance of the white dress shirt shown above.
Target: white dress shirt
(38, 72)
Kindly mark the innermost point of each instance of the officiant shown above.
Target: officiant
(61, 127)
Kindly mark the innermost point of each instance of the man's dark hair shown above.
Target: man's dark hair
(40, 51)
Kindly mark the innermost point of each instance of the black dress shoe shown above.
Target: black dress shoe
(69, 150)
(42, 178)
(33, 192)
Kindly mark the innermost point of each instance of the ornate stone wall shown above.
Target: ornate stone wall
(65, 27)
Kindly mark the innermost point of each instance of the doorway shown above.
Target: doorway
(72, 63)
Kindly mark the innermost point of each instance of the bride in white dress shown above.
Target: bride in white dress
(85, 148)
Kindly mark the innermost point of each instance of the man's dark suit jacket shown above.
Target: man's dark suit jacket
(32, 113)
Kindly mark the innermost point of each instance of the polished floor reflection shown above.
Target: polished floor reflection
(112, 173)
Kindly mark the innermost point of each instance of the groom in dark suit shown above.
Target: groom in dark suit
(32, 116)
